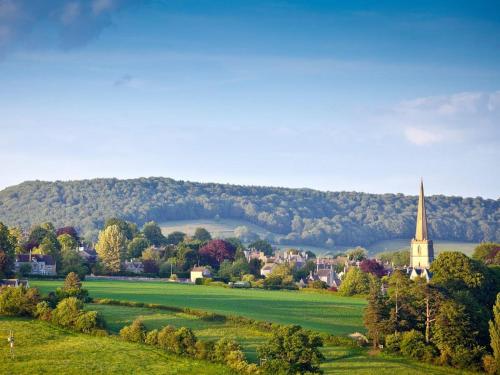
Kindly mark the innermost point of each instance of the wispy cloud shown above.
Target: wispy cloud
(460, 117)
(75, 22)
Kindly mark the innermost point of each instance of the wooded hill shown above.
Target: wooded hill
(297, 216)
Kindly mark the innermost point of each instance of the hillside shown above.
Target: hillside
(304, 216)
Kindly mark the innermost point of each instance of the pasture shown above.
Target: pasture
(41, 348)
(321, 312)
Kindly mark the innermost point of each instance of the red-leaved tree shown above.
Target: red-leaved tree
(216, 251)
(67, 230)
(372, 266)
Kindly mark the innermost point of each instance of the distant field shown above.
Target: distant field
(41, 348)
(222, 228)
(322, 312)
(400, 244)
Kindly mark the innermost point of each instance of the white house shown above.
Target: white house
(40, 264)
(267, 269)
(200, 273)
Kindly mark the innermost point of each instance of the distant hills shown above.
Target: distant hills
(298, 216)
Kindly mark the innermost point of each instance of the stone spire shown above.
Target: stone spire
(421, 232)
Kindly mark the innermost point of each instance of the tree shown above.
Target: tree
(152, 233)
(487, 252)
(401, 298)
(71, 231)
(201, 234)
(291, 350)
(6, 251)
(215, 251)
(376, 314)
(137, 246)
(136, 332)
(72, 262)
(357, 254)
(175, 238)
(111, 248)
(262, 245)
(254, 267)
(128, 229)
(495, 332)
(355, 282)
(373, 267)
(67, 242)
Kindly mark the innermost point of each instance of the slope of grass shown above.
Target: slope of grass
(41, 348)
(321, 312)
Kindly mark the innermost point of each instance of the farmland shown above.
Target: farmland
(321, 312)
(41, 348)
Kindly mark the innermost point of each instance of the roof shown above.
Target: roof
(25, 258)
(324, 272)
(199, 269)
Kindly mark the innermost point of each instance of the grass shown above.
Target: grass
(41, 348)
(439, 246)
(118, 316)
(320, 312)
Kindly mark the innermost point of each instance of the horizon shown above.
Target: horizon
(365, 96)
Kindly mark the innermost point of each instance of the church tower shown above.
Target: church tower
(422, 251)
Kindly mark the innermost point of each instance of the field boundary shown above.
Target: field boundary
(234, 319)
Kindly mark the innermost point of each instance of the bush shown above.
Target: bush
(43, 311)
(68, 313)
(136, 332)
(318, 284)
(204, 349)
(291, 350)
(466, 358)
(413, 344)
(490, 364)
(199, 281)
(72, 288)
(152, 337)
(165, 338)
(18, 301)
(393, 343)
(184, 341)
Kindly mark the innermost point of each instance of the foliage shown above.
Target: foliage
(69, 314)
(128, 229)
(398, 258)
(357, 254)
(373, 267)
(70, 231)
(494, 330)
(152, 233)
(291, 350)
(376, 313)
(487, 252)
(175, 238)
(216, 251)
(355, 282)
(412, 344)
(73, 262)
(18, 301)
(72, 288)
(136, 332)
(111, 247)
(67, 242)
(201, 234)
(137, 246)
(301, 216)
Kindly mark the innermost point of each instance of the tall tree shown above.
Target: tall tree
(111, 248)
(6, 251)
(128, 229)
(495, 331)
(201, 234)
(215, 251)
(376, 314)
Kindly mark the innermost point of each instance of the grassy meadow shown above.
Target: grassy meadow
(321, 312)
(41, 348)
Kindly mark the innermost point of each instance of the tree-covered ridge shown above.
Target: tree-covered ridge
(297, 215)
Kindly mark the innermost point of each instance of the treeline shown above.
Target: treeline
(295, 216)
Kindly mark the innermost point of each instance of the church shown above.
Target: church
(422, 250)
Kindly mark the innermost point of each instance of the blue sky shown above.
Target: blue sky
(332, 95)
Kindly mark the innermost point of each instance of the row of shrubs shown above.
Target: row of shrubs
(182, 341)
(412, 344)
(68, 312)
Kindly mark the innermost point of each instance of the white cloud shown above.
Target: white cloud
(457, 118)
(100, 6)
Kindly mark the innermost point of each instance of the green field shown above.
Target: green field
(41, 348)
(439, 246)
(321, 312)
(218, 228)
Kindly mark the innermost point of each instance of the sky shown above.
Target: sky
(331, 95)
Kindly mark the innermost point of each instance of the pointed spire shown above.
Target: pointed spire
(421, 232)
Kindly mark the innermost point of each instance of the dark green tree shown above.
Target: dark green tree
(152, 233)
(201, 234)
